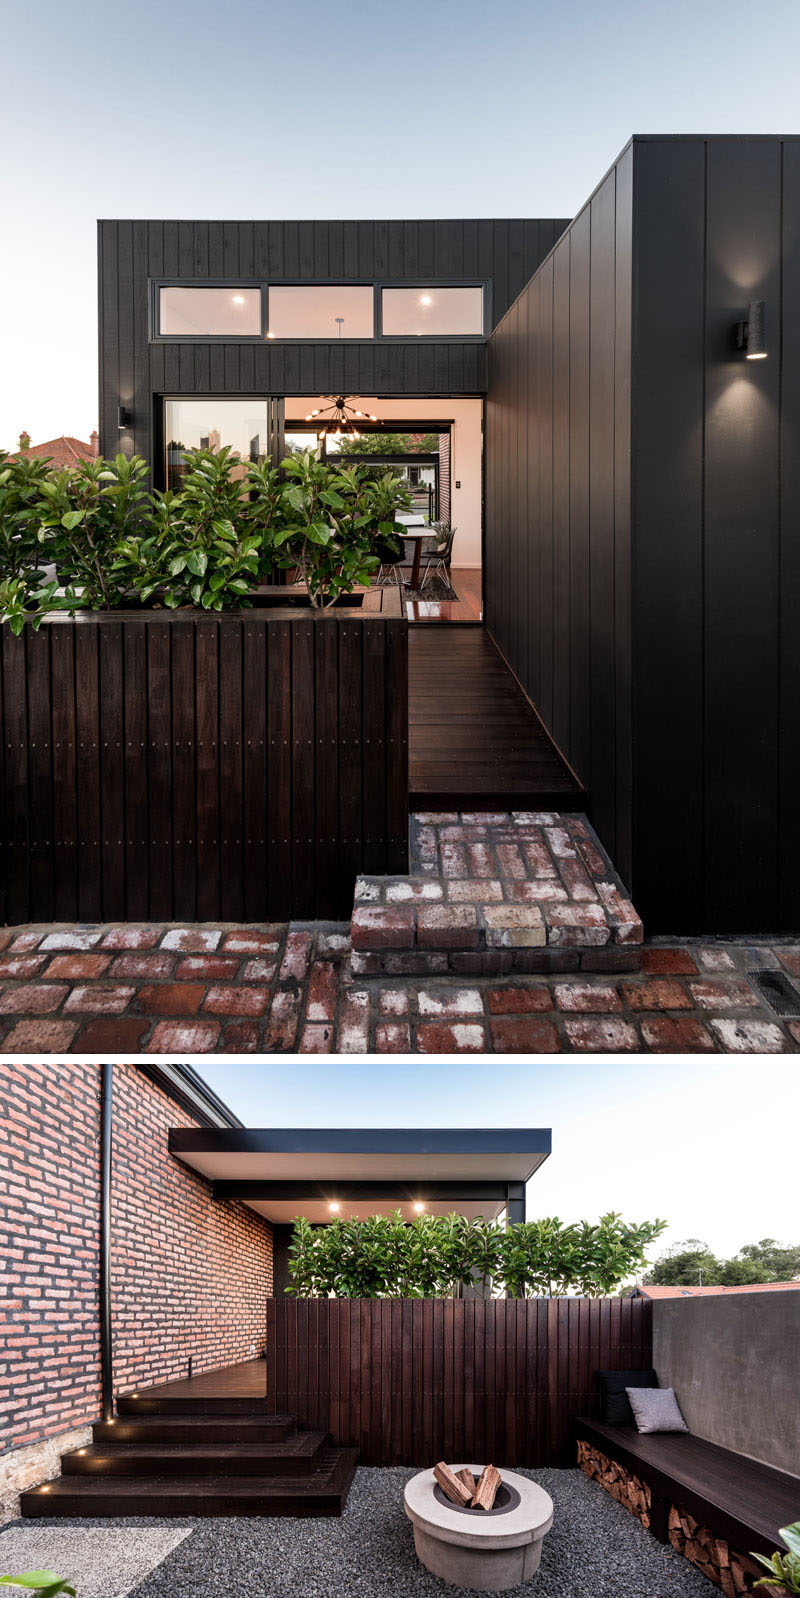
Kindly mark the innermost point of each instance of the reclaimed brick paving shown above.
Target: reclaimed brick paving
(178, 991)
(492, 893)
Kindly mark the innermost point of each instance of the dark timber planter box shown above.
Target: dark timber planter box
(185, 767)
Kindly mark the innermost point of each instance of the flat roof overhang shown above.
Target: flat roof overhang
(282, 1173)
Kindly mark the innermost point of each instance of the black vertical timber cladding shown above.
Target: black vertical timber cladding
(675, 507)
(789, 616)
(209, 769)
(741, 545)
(667, 616)
(65, 877)
(721, 618)
(87, 697)
(112, 790)
(136, 372)
(254, 758)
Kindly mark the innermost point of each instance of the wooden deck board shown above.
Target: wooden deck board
(475, 741)
(247, 1380)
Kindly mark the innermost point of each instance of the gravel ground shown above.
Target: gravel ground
(594, 1548)
(102, 1559)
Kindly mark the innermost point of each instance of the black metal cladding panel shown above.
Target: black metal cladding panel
(557, 534)
(643, 485)
(133, 371)
(716, 486)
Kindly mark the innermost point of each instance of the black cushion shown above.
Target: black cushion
(616, 1410)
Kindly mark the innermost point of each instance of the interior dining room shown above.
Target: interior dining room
(436, 446)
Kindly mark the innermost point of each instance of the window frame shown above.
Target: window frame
(438, 338)
(327, 283)
(155, 336)
(159, 283)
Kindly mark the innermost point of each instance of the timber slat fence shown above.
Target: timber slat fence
(238, 768)
(411, 1381)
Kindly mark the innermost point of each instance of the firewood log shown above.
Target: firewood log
(465, 1475)
(486, 1490)
(450, 1485)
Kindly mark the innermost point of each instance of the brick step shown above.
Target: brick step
(297, 1455)
(194, 1429)
(496, 894)
(323, 1492)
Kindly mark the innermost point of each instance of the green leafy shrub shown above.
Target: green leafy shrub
(334, 518)
(112, 543)
(45, 1583)
(430, 1257)
(784, 1569)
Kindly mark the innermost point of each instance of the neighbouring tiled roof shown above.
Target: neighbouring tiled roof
(64, 452)
(711, 1292)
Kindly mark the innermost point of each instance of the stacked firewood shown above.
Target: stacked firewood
(628, 1490)
(462, 1489)
(731, 1570)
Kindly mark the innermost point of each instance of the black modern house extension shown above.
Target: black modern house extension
(609, 412)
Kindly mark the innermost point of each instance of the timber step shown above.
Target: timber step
(165, 1403)
(147, 1429)
(323, 1492)
(295, 1456)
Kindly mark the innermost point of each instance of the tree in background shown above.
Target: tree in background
(692, 1264)
(391, 444)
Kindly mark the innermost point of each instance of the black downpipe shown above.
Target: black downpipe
(106, 1350)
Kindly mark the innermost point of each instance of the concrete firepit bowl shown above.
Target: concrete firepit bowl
(485, 1550)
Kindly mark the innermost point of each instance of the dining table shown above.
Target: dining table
(417, 536)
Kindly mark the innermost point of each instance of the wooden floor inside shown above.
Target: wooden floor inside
(466, 605)
(475, 741)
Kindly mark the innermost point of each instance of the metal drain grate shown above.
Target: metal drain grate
(779, 992)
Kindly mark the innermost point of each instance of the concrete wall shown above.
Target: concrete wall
(734, 1363)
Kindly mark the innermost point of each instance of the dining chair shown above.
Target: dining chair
(391, 560)
(439, 557)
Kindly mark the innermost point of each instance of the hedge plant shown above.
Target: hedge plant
(98, 538)
(430, 1257)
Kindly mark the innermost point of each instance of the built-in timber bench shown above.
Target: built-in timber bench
(713, 1505)
(498, 892)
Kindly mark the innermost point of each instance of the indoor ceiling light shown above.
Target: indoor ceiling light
(338, 418)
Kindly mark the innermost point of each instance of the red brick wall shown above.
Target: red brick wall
(49, 1210)
(189, 1276)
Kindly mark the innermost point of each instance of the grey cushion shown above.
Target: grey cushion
(655, 1409)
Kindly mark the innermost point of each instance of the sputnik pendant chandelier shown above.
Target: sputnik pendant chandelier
(339, 417)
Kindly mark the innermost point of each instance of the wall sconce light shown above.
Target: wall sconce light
(419, 1207)
(334, 1206)
(750, 334)
(123, 418)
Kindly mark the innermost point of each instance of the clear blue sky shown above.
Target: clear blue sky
(705, 1144)
(258, 109)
